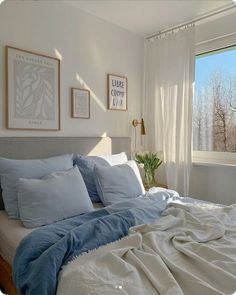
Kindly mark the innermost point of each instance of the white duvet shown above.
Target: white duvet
(190, 250)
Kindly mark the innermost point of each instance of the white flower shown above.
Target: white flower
(141, 165)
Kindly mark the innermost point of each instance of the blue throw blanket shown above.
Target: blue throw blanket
(41, 254)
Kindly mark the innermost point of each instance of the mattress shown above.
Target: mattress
(12, 231)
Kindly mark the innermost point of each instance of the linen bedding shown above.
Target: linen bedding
(190, 250)
(150, 245)
(41, 254)
(12, 232)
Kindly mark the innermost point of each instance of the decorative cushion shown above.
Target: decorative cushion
(86, 166)
(11, 170)
(55, 197)
(117, 183)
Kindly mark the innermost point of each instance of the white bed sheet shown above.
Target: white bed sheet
(12, 231)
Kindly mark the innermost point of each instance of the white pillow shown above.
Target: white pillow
(115, 159)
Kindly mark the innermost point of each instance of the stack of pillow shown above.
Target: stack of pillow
(43, 191)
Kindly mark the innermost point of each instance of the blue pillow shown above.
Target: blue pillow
(118, 183)
(55, 197)
(11, 170)
(86, 166)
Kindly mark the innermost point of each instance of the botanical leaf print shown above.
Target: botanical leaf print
(38, 107)
(29, 101)
(26, 92)
(36, 82)
(42, 70)
(26, 82)
(34, 92)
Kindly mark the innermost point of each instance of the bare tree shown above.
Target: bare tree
(214, 119)
(198, 121)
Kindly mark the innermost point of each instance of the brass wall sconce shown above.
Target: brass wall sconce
(135, 123)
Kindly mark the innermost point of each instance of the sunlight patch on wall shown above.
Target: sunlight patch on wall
(104, 134)
(92, 94)
(102, 148)
(57, 52)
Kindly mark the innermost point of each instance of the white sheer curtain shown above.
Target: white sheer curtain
(169, 79)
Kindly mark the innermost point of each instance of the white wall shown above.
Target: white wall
(215, 183)
(90, 48)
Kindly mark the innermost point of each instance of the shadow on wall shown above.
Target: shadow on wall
(92, 94)
(86, 86)
(117, 144)
(83, 83)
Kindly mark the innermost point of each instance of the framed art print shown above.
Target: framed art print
(80, 102)
(33, 90)
(117, 92)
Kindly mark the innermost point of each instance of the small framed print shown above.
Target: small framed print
(32, 90)
(80, 103)
(117, 92)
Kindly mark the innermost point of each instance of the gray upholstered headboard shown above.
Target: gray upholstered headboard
(41, 147)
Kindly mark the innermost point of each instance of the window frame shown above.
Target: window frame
(214, 158)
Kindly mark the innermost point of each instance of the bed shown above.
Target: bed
(8, 246)
(41, 147)
(154, 243)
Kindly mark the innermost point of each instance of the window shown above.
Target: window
(214, 104)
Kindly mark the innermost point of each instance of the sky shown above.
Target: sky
(221, 60)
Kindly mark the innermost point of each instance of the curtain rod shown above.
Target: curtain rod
(198, 19)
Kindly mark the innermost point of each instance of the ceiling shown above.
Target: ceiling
(146, 17)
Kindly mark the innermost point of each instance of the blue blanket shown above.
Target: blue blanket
(40, 256)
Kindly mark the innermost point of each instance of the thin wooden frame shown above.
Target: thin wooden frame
(7, 47)
(73, 114)
(108, 92)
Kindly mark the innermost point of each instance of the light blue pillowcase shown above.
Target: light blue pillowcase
(118, 183)
(55, 197)
(11, 170)
(86, 166)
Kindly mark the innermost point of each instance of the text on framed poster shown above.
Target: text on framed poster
(117, 92)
